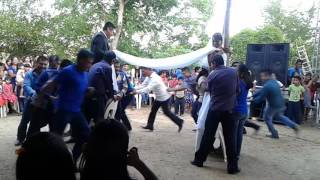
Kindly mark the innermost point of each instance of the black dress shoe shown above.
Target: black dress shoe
(18, 143)
(180, 126)
(71, 140)
(147, 127)
(197, 163)
(233, 171)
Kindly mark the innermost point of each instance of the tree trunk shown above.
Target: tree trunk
(226, 28)
(119, 24)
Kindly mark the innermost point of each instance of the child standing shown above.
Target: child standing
(179, 98)
(296, 95)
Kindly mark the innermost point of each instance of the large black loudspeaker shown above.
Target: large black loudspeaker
(269, 56)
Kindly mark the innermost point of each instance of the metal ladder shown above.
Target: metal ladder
(303, 56)
(316, 44)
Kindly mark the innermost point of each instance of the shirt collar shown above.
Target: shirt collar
(105, 34)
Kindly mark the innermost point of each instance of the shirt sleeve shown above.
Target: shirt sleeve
(27, 85)
(148, 88)
(144, 84)
(261, 95)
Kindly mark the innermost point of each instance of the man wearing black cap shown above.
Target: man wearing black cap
(100, 77)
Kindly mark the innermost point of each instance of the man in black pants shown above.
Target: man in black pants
(29, 86)
(125, 90)
(223, 84)
(100, 77)
(154, 83)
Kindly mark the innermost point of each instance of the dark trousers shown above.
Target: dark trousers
(26, 116)
(240, 119)
(179, 104)
(295, 112)
(79, 126)
(121, 111)
(40, 118)
(251, 125)
(94, 108)
(196, 105)
(165, 108)
(21, 100)
(229, 126)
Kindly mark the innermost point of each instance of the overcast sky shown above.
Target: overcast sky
(244, 13)
(247, 13)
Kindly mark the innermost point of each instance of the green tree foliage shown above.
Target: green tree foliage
(21, 31)
(166, 25)
(297, 26)
(294, 27)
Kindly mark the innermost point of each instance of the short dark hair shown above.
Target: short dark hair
(297, 77)
(197, 68)
(218, 60)
(108, 25)
(54, 59)
(186, 69)
(65, 63)
(44, 156)
(234, 63)
(180, 78)
(217, 37)
(266, 71)
(84, 54)
(109, 56)
(28, 65)
(41, 58)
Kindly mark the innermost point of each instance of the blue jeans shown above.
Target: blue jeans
(240, 119)
(271, 113)
(79, 126)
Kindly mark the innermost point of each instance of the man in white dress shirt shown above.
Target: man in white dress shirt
(154, 83)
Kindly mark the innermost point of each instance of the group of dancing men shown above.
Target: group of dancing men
(77, 94)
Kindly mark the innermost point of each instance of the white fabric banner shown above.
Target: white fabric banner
(198, 56)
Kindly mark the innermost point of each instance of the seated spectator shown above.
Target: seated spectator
(9, 95)
(106, 154)
(20, 79)
(3, 72)
(44, 156)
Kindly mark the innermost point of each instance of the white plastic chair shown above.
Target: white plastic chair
(111, 109)
(138, 98)
(151, 97)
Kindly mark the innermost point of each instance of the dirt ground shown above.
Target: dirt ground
(168, 153)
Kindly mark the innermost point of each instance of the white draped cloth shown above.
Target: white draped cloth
(180, 61)
(202, 116)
